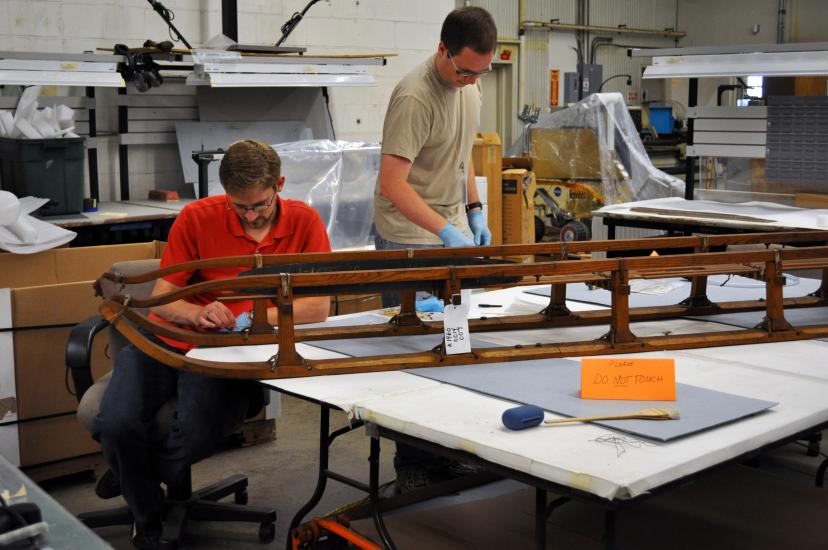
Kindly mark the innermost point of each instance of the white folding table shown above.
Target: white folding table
(581, 461)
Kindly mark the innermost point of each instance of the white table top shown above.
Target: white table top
(121, 212)
(768, 216)
(585, 456)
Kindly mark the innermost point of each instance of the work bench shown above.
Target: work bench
(586, 462)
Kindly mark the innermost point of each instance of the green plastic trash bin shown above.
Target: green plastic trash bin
(46, 168)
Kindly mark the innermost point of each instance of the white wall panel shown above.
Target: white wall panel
(643, 14)
(545, 10)
(538, 52)
(505, 14)
(408, 28)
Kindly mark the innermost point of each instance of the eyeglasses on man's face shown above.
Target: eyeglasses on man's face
(465, 73)
(257, 208)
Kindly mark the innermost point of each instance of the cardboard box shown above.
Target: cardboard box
(518, 205)
(811, 200)
(565, 153)
(341, 305)
(487, 157)
(42, 296)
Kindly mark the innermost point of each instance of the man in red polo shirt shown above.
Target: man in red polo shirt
(250, 219)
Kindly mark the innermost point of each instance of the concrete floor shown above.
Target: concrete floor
(283, 473)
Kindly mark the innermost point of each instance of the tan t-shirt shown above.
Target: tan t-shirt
(432, 124)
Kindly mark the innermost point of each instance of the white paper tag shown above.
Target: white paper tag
(456, 329)
(466, 300)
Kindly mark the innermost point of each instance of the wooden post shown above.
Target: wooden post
(698, 295)
(407, 317)
(698, 286)
(698, 299)
(260, 324)
(557, 296)
(774, 281)
(822, 291)
(557, 302)
(287, 356)
(619, 332)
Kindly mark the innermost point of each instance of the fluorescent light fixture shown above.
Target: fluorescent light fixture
(289, 71)
(281, 68)
(68, 72)
(792, 63)
(60, 78)
(265, 80)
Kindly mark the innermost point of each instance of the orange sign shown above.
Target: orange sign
(628, 378)
(553, 87)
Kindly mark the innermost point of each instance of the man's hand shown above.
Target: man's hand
(482, 234)
(453, 237)
(214, 316)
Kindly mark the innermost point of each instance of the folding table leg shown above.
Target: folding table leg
(373, 461)
(322, 479)
(609, 530)
(540, 519)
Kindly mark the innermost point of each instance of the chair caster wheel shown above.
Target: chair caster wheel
(240, 497)
(267, 532)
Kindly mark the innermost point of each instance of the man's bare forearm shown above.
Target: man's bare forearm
(313, 309)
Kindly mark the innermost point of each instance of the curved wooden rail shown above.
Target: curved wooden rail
(321, 275)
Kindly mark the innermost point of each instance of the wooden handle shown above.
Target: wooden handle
(655, 413)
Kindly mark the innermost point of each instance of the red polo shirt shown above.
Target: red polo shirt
(206, 229)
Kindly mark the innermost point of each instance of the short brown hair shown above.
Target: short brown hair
(249, 163)
(472, 27)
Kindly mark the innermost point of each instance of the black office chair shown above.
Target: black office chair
(182, 503)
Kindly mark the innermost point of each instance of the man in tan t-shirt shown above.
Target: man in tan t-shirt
(426, 193)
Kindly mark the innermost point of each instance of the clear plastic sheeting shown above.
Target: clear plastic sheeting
(336, 178)
(596, 141)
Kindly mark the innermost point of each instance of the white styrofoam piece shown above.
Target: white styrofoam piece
(5, 308)
(482, 183)
(7, 379)
(274, 408)
(10, 443)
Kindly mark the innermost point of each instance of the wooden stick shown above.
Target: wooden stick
(655, 413)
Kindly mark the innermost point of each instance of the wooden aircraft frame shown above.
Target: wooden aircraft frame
(447, 271)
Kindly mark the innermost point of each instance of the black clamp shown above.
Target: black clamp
(203, 159)
(138, 68)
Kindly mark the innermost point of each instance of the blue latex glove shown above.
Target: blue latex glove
(243, 321)
(453, 237)
(429, 305)
(482, 234)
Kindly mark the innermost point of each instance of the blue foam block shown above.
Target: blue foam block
(525, 416)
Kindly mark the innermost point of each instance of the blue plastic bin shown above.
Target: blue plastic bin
(661, 119)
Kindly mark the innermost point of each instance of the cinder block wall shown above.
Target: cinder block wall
(409, 28)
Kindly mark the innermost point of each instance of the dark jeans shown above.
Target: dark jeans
(393, 299)
(142, 452)
(406, 455)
